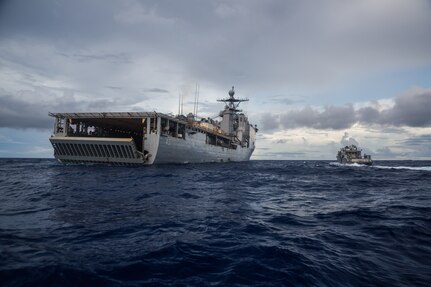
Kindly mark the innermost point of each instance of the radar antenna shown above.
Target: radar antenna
(232, 102)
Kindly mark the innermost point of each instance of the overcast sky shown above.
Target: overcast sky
(319, 74)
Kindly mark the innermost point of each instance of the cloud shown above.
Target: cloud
(280, 155)
(419, 146)
(410, 109)
(30, 109)
(270, 121)
(253, 43)
(113, 58)
(157, 90)
(384, 153)
(347, 140)
(281, 141)
(283, 55)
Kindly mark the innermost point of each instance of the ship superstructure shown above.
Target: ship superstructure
(352, 154)
(151, 137)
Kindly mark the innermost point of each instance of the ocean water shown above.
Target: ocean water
(258, 223)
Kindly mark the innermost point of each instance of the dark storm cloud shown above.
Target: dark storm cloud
(411, 109)
(157, 90)
(270, 121)
(256, 44)
(384, 152)
(418, 140)
(330, 118)
(253, 43)
(419, 146)
(114, 58)
(114, 88)
(31, 109)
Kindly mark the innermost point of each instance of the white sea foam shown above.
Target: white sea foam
(421, 168)
(348, 164)
(426, 168)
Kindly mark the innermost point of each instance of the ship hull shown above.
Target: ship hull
(168, 150)
(195, 150)
(146, 138)
(193, 147)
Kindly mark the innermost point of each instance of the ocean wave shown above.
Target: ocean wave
(260, 223)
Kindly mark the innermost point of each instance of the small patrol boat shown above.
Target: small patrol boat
(352, 154)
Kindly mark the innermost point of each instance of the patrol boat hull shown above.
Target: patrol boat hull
(353, 155)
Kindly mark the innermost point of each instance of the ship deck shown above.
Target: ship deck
(127, 120)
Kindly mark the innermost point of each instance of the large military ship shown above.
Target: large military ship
(352, 154)
(151, 138)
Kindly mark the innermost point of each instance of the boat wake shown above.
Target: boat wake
(421, 168)
(348, 164)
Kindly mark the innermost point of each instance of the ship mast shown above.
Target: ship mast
(232, 102)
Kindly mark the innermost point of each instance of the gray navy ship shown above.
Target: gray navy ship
(352, 154)
(151, 138)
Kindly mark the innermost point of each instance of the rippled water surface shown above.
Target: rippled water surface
(259, 223)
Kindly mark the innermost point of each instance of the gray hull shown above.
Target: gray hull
(145, 138)
(195, 150)
(160, 149)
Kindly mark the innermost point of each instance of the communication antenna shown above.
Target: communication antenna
(182, 104)
(179, 103)
(197, 102)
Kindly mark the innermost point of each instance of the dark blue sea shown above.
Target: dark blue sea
(258, 223)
